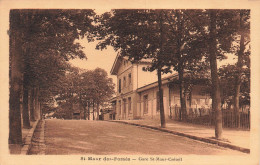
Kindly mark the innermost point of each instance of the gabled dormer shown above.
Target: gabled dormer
(116, 65)
(123, 69)
(131, 76)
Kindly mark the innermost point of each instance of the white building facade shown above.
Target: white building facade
(137, 92)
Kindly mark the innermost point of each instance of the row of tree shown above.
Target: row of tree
(181, 40)
(87, 89)
(41, 43)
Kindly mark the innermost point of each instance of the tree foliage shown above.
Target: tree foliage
(137, 34)
(85, 88)
(227, 76)
(182, 40)
(46, 41)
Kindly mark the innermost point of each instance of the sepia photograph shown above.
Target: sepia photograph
(131, 85)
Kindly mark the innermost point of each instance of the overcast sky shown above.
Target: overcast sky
(96, 58)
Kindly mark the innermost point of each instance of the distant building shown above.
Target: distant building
(137, 92)
(78, 112)
(107, 114)
(76, 115)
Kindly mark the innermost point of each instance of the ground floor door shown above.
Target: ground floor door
(124, 108)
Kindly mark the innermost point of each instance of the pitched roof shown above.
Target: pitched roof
(118, 61)
(173, 78)
(116, 64)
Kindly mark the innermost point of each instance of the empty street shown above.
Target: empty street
(64, 137)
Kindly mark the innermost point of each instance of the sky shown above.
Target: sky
(96, 58)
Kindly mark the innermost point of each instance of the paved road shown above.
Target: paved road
(101, 137)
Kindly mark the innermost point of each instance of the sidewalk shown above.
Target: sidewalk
(26, 138)
(232, 138)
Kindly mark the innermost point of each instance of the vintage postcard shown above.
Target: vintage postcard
(130, 82)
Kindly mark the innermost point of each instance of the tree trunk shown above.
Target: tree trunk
(84, 113)
(97, 111)
(36, 109)
(162, 116)
(190, 93)
(39, 103)
(15, 73)
(93, 111)
(182, 95)
(88, 110)
(183, 113)
(26, 119)
(71, 110)
(32, 100)
(159, 72)
(85, 117)
(170, 106)
(216, 100)
(239, 69)
(41, 113)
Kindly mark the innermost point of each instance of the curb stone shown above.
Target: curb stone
(28, 140)
(42, 140)
(207, 140)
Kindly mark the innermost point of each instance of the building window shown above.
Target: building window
(158, 101)
(124, 82)
(119, 86)
(124, 107)
(145, 104)
(119, 109)
(129, 78)
(129, 105)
